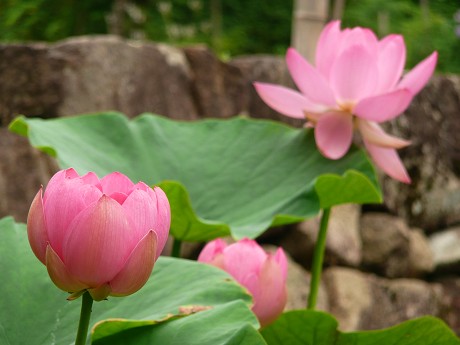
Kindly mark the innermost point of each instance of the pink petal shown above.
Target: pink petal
(137, 268)
(417, 78)
(243, 258)
(383, 107)
(59, 273)
(362, 37)
(270, 294)
(100, 293)
(64, 202)
(116, 182)
(163, 217)
(286, 101)
(354, 75)
(98, 243)
(57, 179)
(391, 60)
(389, 161)
(211, 250)
(36, 228)
(149, 209)
(280, 258)
(91, 178)
(142, 186)
(142, 212)
(375, 135)
(333, 134)
(312, 84)
(327, 47)
(119, 197)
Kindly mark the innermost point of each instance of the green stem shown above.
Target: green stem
(85, 315)
(177, 244)
(318, 257)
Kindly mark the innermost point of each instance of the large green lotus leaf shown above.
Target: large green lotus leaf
(204, 330)
(236, 176)
(307, 327)
(180, 295)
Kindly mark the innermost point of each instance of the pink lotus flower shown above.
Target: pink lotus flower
(101, 235)
(264, 275)
(356, 84)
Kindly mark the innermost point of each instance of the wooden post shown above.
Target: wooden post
(308, 21)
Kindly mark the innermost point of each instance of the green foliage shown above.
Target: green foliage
(424, 29)
(222, 177)
(307, 327)
(51, 20)
(215, 310)
(232, 27)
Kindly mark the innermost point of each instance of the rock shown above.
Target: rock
(343, 243)
(97, 73)
(22, 170)
(421, 256)
(349, 294)
(109, 73)
(267, 69)
(432, 123)
(451, 297)
(218, 88)
(392, 249)
(446, 249)
(362, 301)
(30, 81)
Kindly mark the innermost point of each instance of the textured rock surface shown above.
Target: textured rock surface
(30, 81)
(451, 299)
(218, 88)
(22, 170)
(108, 73)
(361, 301)
(392, 249)
(446, 249)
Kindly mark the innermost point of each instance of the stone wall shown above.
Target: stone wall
(385, 263)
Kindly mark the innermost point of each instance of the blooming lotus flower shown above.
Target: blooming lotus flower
(264, 275)
(356, 84)
(101, 235)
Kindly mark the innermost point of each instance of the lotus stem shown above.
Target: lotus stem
(85, 315)
(318, 258)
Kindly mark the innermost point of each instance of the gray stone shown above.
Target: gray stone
(446, 249)
(109, 73)
(22, 170)
(451, 298)
(362, 301)
(392, 249)
(421, 256)
(30, 81)
(218, 88)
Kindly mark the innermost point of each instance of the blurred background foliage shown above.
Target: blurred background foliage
(232, 27)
